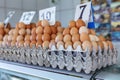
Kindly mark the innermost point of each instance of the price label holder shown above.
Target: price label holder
(48, 14)
(9, 16)
(85, 12)
(27, 17)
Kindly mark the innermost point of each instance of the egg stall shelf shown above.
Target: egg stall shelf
(59, 62)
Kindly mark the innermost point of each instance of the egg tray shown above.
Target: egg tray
(70, 60)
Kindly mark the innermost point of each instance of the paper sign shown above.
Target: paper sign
(84, 12)
(9, 16)
(27, 17)
(48, 14)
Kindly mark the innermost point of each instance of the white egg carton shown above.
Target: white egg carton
(68, 59)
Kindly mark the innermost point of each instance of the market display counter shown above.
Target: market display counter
(31, 72)
(35, 74)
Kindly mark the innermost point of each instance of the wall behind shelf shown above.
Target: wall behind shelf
(20, 6)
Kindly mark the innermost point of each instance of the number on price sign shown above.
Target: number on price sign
(9, 16)
(48, 14)
(27, 17)
(83, 11)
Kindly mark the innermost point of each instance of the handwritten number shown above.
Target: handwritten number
(83, 8)
(48, 15)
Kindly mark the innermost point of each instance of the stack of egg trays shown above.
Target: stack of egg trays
(63, 59)
(81, 60)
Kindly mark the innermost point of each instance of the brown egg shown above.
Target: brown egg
(66, 31)
(60, 29)
(39, 30)
(75, 37)
(28, 31)
(57, 23)
(45, 44)
(33, 25)
(52, 42)
(15, 32)
(83, 29)
(87, 45)
(2, 31)
(6, 30)
(1, 25)
(80, 23)
(33, 43)
(38, 23)
(1, 37)
(39, 37)
(100, 44)
(101, 38)
(67, 38)
(22, 31)
(92, 32)
(59, 33)
(47, 30)
(59, 38)
(14, 38)
(95, 45)
(28, 26)
(69, 43)
(27, 43)
(72, 24)
(53, 36)
(33, 37)
(39, 43)
(13, 43)
(46, 37)
(60, 43)
(33, 31)
(5, 38)
(21, 25)
(76, 44)
(11, 32)
(73, 30)
(21, 43)
(53, 30)
(10, 38)
(92, 37)
(110, 44)
(105, 45)
(44, 23)
(84, 37)
(27, 37)
(20, 38)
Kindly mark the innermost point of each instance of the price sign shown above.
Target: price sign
(27, 17)
(9, 16)
(48, 14)
(85, 12)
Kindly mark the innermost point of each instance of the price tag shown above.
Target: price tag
(9, 16)
(85, 12)
(27, 17)
(48, 14)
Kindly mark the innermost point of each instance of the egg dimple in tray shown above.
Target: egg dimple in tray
(68, 59)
